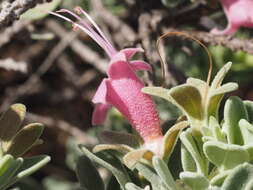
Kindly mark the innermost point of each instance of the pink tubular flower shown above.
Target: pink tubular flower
(239, 13)
(122, 88)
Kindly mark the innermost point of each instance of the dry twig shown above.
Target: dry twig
(11, 10)
(63, 126)
(85, 52)
(10, 64)
(234, 44)
(10, 96)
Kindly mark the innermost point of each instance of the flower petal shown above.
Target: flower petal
(124, 93)
(238, 13)
(121, 69)
(99, 114)
(139, 65)
(130, 52)
(100, 95)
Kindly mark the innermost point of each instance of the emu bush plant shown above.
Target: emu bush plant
(216, 153)
(216, 148)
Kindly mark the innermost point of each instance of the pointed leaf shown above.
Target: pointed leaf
(170, 139)
(26, 169)
(112, 137)
(116, 169)
(24, 139)
(113, 184)
(133, 157)
(234, 111)
(32, 165)
(88, 175)
(240, 178)
(188, 162)
(225, 156)
(220, 75)
(200, 84)
(213, 105)
(11, 120)
(191, 146)
(188, 98)
(8, 168)
(163, 171)
(118, 147)
(151, 176)
(194, 180)
(158, 91)
(216, 130)
(215, 97)
(228, 87)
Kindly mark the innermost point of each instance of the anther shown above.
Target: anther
(78, 10)
(75, 27)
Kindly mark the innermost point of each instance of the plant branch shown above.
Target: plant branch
(12, 10)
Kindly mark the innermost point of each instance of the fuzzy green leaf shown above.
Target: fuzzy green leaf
(117, 169)
(124, 149)
(225, 156)
(234, 111)
(24, 139)
(194, 180)
(163, 171)
(158, 91)
(11, 120)
(8, 167)
(31, 165)
(199, 84)
(215, 97)
(88, 175)
(217, 81)
(151, 176)
(189, 99)
(170, 139)
(188, 162)
(240, 178)
(191, 146)
(216, 130)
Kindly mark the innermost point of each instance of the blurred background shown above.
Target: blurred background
(55, 71)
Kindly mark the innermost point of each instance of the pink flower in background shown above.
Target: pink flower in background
(239, 14)
(122, 88)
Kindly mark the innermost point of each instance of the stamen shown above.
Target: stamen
(103, 42)
(79, 10)
(86, 28)
(75, 28)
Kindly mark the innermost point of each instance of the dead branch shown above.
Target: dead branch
(234, 44)
(8, 32)
(63, 126)
(11, 11)
(10, 64)
(10, 97)
(85, 52)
